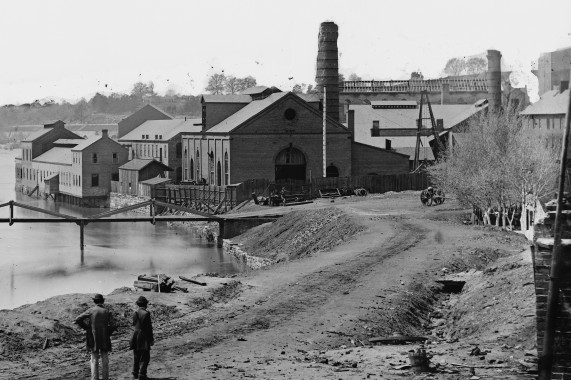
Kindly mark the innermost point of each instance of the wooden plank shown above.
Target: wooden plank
(192, 281)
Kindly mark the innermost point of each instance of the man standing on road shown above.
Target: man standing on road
(98, 325)
(142, 339)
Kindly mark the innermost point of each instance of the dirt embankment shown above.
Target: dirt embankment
(347, 272)
(299, 234)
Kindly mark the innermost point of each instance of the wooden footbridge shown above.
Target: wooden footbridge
(111, 217)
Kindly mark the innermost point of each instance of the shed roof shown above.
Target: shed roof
(68, 141)
(165, 128)
(37, 134)
(141, 163)
(552, 102)
(57, 155)
(156, 181)
(254, 90)
(234, 98)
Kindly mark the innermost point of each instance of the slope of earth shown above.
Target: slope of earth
(311, 316)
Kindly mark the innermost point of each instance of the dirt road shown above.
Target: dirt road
(311, 318)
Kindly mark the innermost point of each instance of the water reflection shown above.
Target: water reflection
(41, 260)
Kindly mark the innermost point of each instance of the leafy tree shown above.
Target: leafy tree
(216, 84)
(341, 79)
(247, 82)
(455, 67)
(299, 88)
(416, 75)
(310, 89)
(498, 166)
(141, 90)
(354, 76)
(81, 110)
(476, 65)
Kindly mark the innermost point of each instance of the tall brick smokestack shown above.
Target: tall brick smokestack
(494, 79)
(327, 73)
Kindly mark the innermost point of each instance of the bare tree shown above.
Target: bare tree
(455, 67)
(232, 84)
(247, 82)
(216, 84)
(497, 166)
(476, 65)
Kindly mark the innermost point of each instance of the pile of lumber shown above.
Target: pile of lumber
(158, 283)
(329, 193)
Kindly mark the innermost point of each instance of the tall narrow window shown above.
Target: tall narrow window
(211, 167)
(226, 169)
(198, 166)
(94, 179)
(191, 168)
(94, 158)
(115, 158)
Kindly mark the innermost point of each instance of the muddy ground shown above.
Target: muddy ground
(344, 273)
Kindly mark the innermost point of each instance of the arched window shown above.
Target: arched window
(198, 165)
(211, 166)
(226, 169)
(191, 168)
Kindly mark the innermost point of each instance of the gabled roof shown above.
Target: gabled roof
(86, 143)
(165, 128)
(57, 155)
(149, 106)
(256, 107)
(233, 98)
(242, 115)
(141, 163)
(551, 103)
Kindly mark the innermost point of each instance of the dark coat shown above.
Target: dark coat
(98, 328)
(143, 335)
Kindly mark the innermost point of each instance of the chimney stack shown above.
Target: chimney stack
(494, 80)
(327, 73)
(105, 133)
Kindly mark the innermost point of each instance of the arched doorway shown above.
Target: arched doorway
(290, 164)
(331, 171)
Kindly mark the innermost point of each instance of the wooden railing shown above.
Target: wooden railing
(210, 199)
(414, 85)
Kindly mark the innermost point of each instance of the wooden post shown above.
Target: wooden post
(220, 233)
(546, 359)
(11, 213)
(81, 233)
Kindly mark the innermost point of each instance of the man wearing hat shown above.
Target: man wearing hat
(98, 325)
(142, 339)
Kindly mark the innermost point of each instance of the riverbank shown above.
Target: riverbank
(312, 314)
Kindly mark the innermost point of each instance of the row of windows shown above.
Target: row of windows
(146, 137)
(215, 172)
(547, 122)
(95, 158)
(150, 151)
(67, 179)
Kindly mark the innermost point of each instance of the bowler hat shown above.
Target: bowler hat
(142, 301)
(98, 297)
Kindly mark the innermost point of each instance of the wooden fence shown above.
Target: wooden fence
(372, 183)
(211, 199)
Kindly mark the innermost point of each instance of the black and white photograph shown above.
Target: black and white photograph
(285, 190)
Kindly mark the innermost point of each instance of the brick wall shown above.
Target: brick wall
(543, 247)
(216, 112)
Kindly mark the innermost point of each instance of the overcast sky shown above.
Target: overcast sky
(72, 49)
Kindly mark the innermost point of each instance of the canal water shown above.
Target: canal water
(38, 261)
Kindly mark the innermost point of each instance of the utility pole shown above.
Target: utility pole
(324, 131)
(546, 359)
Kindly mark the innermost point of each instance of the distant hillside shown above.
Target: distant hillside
(100, 109)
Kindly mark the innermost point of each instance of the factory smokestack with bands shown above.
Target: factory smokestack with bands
(327, 73)
(494, 79)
